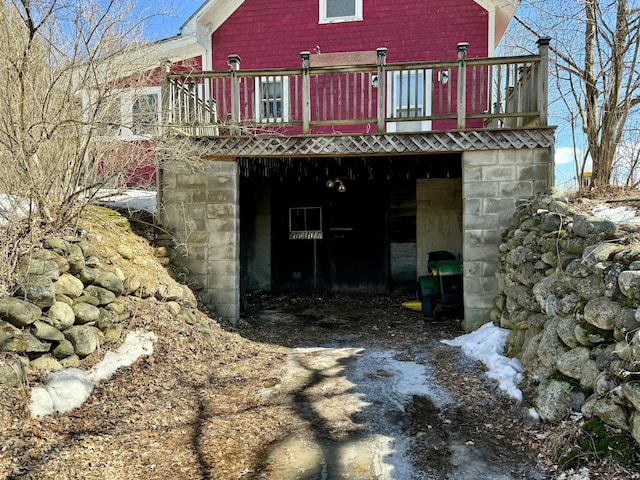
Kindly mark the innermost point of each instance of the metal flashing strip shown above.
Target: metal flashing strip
(384, 144)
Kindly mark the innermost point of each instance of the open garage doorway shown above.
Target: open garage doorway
(345, 224)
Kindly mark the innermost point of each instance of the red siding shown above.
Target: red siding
(268, 34)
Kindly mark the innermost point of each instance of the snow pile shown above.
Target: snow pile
(129, 199)
(487, 346)
(68, 389)
(624, 214)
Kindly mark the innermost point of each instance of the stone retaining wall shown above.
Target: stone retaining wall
(571, 291)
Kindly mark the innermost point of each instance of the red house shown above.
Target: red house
(344, 140)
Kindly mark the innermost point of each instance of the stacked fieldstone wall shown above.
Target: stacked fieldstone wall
(69, 302)
(571, 292)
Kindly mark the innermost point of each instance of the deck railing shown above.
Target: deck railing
(366, 96)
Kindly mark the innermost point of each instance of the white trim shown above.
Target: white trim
(323, 19)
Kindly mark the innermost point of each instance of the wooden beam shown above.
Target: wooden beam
(340, 59)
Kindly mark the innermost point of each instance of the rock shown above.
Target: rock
(169, 292)
(625, 323)
(599, 253)
(85, 313)
(60, 315)
(572, 362)
(72, 361)
(586, 225)
(132, 285)
(11, 338)
(607, 411)
(12, 373)
(588, 335)
(111, 282)
(634, 425)
(88, 275)
(551, 348)
(113, 333)
(602, 313)
(603, 384)
(103, 296)
(116, 307)
(75, 259)
(58, 245)
(629, 283)
(125, 252)
(631, 393)
(590, 374)
(567, 331)
(174, 307)
(588, 287)
(43, 365)
(39, 290)
(64, 349)
(64, 299)
(553, 402)
(68, 285)
(19, 313)
(40, 267)
(83, 338)
(44, 331)
(524, 296)
(34, 345)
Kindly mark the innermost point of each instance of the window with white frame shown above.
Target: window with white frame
(340, 10)
(272, 99)
(145, 114)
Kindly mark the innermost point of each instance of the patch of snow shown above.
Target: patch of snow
(129, 199)
(486, 345)
(68, 389)
(624, 214)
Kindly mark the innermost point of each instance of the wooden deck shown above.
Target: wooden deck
(365, 107)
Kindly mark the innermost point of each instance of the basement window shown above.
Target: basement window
(340, 11)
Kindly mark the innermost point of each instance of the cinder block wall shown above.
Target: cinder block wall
(492, 182)
(200, 206)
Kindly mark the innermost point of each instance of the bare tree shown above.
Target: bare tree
(596, 46)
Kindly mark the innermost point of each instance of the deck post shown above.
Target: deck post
(234, 65)
(382, 60)
(306, 92)
(543, 80)
(462, 84)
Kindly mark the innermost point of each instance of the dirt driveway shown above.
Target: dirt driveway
(382, 398)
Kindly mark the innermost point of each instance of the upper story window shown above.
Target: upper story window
(144, 113)
(340, 10)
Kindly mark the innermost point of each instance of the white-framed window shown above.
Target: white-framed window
(272, 99)
(408, 96)
(340, 11)
(145, 114)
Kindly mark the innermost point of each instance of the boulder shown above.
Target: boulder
(607, 411)
(110, 281)
(46, 332)
(629, 283)
(103, 296)
(64, 349)
(43, 365)
(602, 313)
(18, 312)
(69, 286)
(586, 225)
(39, 289)
(83, 338)
(12, 373)
(11, 338)
(553, 401)
(85, 313)
(75, 259)
(60, 316)
(572, 362)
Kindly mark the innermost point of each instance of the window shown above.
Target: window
(409, 96)
(340, 10)
(144, 112)
(272, 99)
